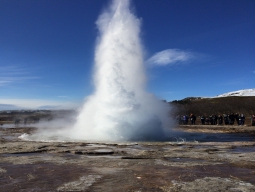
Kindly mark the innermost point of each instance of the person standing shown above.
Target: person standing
(242, 119)
(220, 119)
(253, 120)
(202, 119)
(192, 119)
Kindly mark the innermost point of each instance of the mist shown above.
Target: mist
(120, 108)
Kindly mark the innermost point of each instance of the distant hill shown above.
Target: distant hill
(243, 92)
(218, 105)
(242, 101)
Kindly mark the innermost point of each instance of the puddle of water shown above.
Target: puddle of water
(76, 156)
(184, 159)
(9, 137)
(217, 137)
(106, 151)
(95, 145)
(201, 146)
(24, 154)
(12, 136)
(103, 156)
(141, 147)
(176, 147)
(95, 152)
(243, 149)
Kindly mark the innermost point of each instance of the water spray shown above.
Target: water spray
(120, 108)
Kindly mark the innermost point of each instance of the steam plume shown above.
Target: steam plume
(120, 108)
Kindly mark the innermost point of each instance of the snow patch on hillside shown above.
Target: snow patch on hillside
(243, 92)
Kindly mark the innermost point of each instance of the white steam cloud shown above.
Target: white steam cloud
(120, 108)
(170, 57)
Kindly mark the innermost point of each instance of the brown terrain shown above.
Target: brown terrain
(209, 164)
(208, 106)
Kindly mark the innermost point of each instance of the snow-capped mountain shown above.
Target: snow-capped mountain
(243, 92)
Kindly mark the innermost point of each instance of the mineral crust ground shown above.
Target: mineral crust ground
(129, 166)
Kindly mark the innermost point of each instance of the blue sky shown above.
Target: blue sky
(192, 48)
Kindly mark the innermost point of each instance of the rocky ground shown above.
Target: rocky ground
(131, 166)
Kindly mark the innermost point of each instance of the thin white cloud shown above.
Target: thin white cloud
(15, 74)
(4, 82)
(170, 57)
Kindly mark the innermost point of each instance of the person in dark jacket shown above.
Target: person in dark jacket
(226, 119)
(202, 118)
(242, 121)
(253, 120)
(220, 119)
(231, 119)
(192, 119)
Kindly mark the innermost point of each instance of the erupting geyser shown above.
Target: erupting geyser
(120, 108)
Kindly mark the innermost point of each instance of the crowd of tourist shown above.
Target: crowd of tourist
(224, 119)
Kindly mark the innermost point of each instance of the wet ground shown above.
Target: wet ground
(200, 159)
